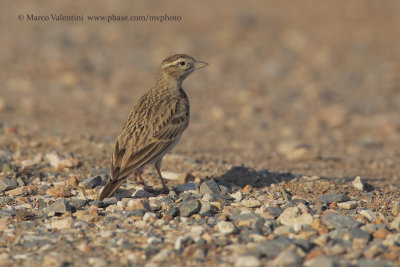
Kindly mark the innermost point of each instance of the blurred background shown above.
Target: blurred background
(308, 87)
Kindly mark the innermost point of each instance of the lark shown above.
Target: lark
(155, 125)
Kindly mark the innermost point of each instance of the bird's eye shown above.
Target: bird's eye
(182, 63)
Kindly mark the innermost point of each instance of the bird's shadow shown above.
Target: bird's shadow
(235, 178)
(240, 176)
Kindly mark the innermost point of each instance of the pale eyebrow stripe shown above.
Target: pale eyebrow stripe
(172, 63)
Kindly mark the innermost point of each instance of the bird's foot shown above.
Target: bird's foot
(147, 188)
(143, 186)
(165, 190)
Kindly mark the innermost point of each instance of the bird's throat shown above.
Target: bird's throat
(166, 82)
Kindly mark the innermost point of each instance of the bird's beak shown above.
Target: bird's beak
(199, 64)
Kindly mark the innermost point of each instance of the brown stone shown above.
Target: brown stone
(18, 191)
(86, 216)
(4, 223)
(381, 233)
(373, 251)
(138, 204)
(314, 253)
(319, 226)
(23, 199)
(391, 256)
(51, 260)
(247, 189)
(167, 218)
(188, 251)
(59, 191)
(333, 205)
(73, 182)
(396, 208)
(68, 163)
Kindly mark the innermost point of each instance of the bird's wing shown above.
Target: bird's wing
(147, 133)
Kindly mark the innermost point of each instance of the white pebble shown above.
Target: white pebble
(226, 227)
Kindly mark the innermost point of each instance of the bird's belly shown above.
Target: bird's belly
(168, 149)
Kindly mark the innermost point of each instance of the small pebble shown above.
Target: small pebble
(226, 227)
(7, 184)
(60, 206)
(333, 197)
(189, 207)
(90, 182)
(396, 208)
(358, 183)
(370, 215)
(209, 187)
(348, 205)
(247, 261)
(337, 220)
(149, 216)
(288, 257)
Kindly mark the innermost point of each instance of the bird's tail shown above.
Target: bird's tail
(110, 188)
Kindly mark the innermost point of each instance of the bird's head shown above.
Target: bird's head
(180, 66)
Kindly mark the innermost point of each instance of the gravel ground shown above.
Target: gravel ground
(291, 157)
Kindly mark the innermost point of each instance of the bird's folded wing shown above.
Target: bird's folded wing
(142, 142)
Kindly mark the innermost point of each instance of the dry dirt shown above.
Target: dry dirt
(305, 88)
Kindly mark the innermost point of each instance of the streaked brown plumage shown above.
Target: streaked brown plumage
(154, 125)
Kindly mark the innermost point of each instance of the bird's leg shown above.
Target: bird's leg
(158, 167)
(139, 177)
(141, 181)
